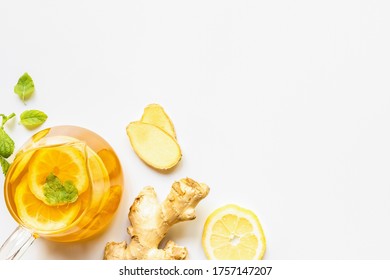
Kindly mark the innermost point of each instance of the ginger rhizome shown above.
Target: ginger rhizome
(151, 221)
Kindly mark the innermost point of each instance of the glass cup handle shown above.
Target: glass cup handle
(16, 244)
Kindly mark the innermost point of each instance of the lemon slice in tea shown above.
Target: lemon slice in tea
(66, 163)
(233, 233)
(39, 216)
(99, 222)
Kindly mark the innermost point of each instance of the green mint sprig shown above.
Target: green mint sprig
(58, 193)
(7, 145)
(29, 118)
(32, 118)
(4, 165)
(25, 87)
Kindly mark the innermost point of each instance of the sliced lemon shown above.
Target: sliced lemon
(233, 233)
(39, 135)
(100, 221)
(39, 216)
(99, 179)
(20, 162)
(110, 161)
(68, 163)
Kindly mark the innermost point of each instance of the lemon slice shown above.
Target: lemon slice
(39, 216)
(101, 221)
(233, 233)
(20, 162)
(99, 179)
(110, 161)
(68, 163)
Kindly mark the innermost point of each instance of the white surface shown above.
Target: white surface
(200, 269)
(281, 107)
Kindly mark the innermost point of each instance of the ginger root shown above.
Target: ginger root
(150, 222)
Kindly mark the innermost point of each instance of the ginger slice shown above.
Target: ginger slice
(151, 221)
(153, 145)
(155, 114)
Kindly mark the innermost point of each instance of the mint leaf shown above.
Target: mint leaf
(4, 165)
(7, 145)
(32, 118)
(25, 87)
(58, 193)
(6, 118)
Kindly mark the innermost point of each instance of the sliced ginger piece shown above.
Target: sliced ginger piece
(153, 145)
(155, 114)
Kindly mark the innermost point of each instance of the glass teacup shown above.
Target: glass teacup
(65, 185)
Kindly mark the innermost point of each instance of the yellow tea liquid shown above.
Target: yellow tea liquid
(65, 184)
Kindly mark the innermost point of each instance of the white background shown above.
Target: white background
(281, 269)
(281, 107)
